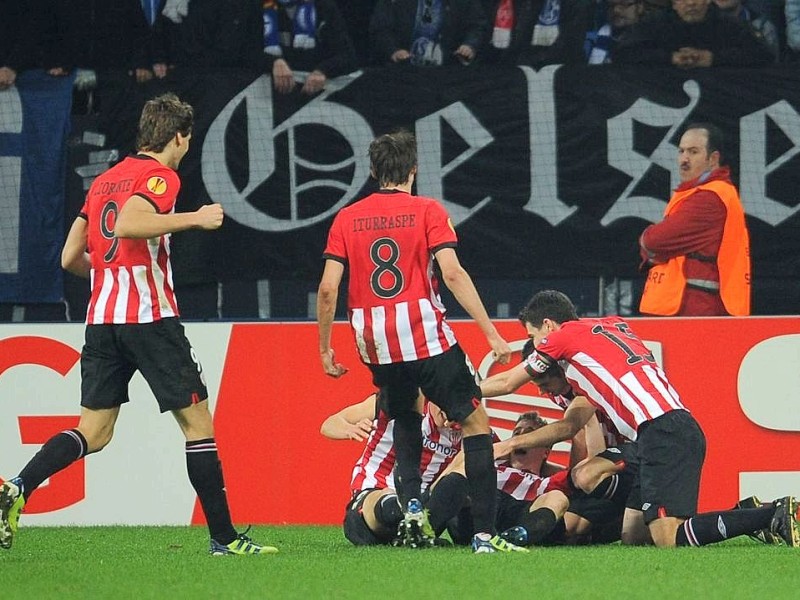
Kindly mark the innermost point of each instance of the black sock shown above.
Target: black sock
(59, 452)
(709, 528)
(482, 478)
(606, 489)
(448, 496)
(205, 474)
(539, 524)
(388, 512)
(408, 455)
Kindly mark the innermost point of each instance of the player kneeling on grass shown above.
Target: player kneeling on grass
(373, 515)
(611, 370)
(125, 224)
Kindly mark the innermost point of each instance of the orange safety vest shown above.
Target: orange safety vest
(663, 291)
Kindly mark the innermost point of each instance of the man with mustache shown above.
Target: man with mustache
(699, 256)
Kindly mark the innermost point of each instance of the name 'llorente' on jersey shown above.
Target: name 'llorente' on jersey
(131, 279)
(394, 308)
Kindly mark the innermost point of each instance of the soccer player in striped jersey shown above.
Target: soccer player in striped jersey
(537, 505)
(389, 241)
(120, 241)
(373, 514)
(611, 370)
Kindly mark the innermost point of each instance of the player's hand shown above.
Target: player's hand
(501, 351)
(209, 216)
(330, 365)
(359, 431)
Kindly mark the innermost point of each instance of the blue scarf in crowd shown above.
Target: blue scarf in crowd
(304, 25)
(425, 48)
(546, 30)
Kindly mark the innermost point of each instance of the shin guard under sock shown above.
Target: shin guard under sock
(482, 479)
(388, 512)
(59, 452)
(408, 454)
(709, 528)
(205, 474)
(539, 524)
(446, 500)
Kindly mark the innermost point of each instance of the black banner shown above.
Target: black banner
(552, 173)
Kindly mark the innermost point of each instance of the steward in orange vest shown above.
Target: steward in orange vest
(700, 252)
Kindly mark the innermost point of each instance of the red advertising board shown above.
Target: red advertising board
(274, 397)
(738, 376)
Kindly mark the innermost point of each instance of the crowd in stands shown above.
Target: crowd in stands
(302, 43)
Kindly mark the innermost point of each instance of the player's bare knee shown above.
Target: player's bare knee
(97, 439)
(583, 478)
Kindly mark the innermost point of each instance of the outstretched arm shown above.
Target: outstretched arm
(505, 382)
(575, 417)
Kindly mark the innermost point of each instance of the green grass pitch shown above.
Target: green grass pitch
(317, 562)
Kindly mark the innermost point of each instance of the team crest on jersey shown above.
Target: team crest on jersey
(157, 185)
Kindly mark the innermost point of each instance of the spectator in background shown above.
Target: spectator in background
(761, 26)
(792, 10)
(619, 16)
(14, 42)
(537, 32)
(427, 32)
(118, 54)
(37, 34)
(699, 255)
(656, 7)
(693, 34)
(356, 15)
(308, 36)
(273, 36)
(213, 34)
(511, 27)
(558, 31)
(158, 43)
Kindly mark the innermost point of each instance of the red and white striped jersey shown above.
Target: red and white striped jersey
(388, 240)
(527, 486)
(608, 363)
(375, 466)
(131, 279)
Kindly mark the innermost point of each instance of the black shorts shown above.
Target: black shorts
(447, 379)
(355, 527)
(670, 451)
(159, 350)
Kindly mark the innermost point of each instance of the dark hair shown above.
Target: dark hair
(548, 304)
(532, 416)
(392, 157)
(162, 118)
(527, 349)
(716, 139)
